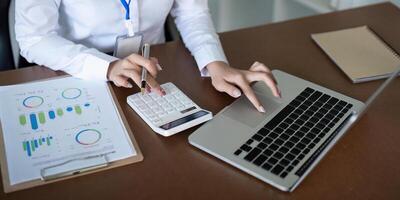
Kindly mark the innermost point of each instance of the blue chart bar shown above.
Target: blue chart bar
(28, 148)
(69, 109)
(33, 120)
(36, 143)
(52, 115)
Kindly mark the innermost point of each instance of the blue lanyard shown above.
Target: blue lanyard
(126, 6)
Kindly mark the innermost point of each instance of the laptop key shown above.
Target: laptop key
(300, 146)
(257, 137)
(289, 156)
(278, 130)
(295, 151)
(262, 145)
(295, 103)
(277, 169)
(289, 144)
(245, 147)
(279, 141)
(263, 131)
(267, 166)
(284, 162)
(253, 153)
(260, 160)
(295, 162)
(268, 152)
(278, 155)
(283, 150)
(284, 174)
(273, 135)
(308, 90)
(237, 152)
(273, 147)
(267, 140)
(324, 98)
(249, 141)
(272, 161)
(284, 136)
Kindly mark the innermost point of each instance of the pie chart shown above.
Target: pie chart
(88, 137)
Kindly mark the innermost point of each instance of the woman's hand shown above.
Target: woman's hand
(229, 80)
(120, 71)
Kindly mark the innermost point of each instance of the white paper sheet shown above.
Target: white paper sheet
(49, 122)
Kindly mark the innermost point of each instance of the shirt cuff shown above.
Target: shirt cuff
(95, 66)
(207, 54)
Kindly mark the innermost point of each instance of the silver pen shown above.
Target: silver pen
(145, 54)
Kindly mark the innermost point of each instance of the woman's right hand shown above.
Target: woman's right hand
(120, 71)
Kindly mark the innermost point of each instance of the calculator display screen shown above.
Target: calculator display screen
(183, 120)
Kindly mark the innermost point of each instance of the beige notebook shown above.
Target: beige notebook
(359, 52)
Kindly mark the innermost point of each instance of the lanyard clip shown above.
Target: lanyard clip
(129, 26)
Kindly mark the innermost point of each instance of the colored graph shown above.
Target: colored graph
(31, 146)
(42, 117)
(33, 101)
(71, 93)
(88, 137)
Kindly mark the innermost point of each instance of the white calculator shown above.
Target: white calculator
(168, 114)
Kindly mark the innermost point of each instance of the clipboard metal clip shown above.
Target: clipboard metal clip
(75, 166)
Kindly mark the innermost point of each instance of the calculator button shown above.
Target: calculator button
(153, 104)
(156, 121)
(163, 114)
(154, 95)
(138, 101)
(143, 107)
(152, 117)
(170, 110)
(149, 113)
(169, 98)
(146, 98)
(175, 103)
(162, 102)
(167, 106)
(158, 110)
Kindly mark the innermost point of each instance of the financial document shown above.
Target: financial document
(48, 123)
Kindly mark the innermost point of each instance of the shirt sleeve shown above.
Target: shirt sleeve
(36, 27)
(194, 22)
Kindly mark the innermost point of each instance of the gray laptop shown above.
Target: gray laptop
(282, 146)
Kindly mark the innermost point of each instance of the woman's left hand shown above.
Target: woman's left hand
(227, 79)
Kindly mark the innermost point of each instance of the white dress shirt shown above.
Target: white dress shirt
(72, 35)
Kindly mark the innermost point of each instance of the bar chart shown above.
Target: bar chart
(32, 146)
(41, 117)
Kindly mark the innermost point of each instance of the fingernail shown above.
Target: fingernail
(129, 85)
(163, 92)
(261, 109)
(236, 93)
(159, 67)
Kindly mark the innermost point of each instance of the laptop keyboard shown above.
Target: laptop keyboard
(288, 137)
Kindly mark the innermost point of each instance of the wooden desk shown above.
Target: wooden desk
(365, 164)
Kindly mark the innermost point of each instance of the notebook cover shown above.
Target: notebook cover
(359, 53)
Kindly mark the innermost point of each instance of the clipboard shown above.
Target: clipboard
(88, 169)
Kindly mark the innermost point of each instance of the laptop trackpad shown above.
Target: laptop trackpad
(243, 111)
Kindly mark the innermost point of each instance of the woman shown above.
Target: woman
(73, 36)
